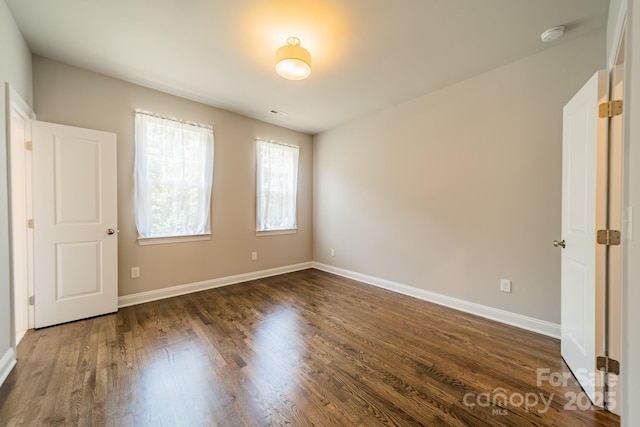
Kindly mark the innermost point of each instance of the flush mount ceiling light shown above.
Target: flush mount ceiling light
(552, 34)
(293, 62)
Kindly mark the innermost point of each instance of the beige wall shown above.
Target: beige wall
(15, 68)
(73, 96)
(453, 191)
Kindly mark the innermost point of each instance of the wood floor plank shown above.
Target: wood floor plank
(303, 349)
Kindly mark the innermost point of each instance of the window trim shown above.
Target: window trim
(276, 231)
(155, 240)
(144, 241)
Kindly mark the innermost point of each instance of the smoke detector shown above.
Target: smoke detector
(552, 34)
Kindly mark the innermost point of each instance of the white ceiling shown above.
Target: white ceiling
(367, 54)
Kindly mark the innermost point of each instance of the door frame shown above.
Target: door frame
(616, 218)
(15, 103)
(631, 202)
(617, 215)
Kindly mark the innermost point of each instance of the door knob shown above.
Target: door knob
(562, 243)
(111, 231)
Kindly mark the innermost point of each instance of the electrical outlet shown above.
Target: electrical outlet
(505, 285)
(333, 252)
(254, 256)
(135, 272)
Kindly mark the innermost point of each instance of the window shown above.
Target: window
(172, 178)
(277, 185)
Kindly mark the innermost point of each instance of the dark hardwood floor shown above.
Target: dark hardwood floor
(306, 348)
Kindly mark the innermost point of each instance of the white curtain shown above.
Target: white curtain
(173, 174)
(277, 185)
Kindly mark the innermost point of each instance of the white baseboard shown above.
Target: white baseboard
(174, 291)
(524, 322)
(7, 363)
(529, 323)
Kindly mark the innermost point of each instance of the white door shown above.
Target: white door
(75, 223)
(582, 321)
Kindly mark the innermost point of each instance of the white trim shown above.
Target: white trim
(619, 30)
(524, 322)
(7, 363)
(276, 232)
(173, 291)
(16, 100)
(143, 241)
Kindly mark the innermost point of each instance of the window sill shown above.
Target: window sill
(143, 241)
(276, 232)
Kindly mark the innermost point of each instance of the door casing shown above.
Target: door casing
(21, 238)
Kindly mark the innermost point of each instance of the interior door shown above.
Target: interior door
(75, 223)
(582, 318)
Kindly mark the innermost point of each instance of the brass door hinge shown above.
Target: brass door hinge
(610, 109)
(608, 237)
(28, 145)
(608, 365)
(32, 300)
(30, 223)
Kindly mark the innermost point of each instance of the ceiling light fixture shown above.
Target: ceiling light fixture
(552, 34)
(293, 62)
